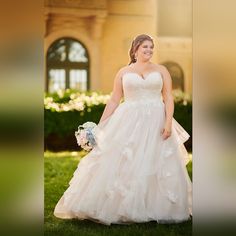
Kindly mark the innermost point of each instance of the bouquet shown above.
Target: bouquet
(86, 135)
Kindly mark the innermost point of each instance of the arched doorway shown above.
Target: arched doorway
(176, 74)
(67, 65)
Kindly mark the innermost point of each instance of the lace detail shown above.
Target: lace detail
(171, 196)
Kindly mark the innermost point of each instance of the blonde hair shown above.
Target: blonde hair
(135, 45)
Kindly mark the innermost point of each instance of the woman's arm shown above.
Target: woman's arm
(116, 96)
(169, 102)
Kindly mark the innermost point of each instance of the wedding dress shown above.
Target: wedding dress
(133, 174)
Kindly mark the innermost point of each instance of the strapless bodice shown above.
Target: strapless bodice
(140, 89)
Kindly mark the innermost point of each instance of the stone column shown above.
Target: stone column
(97, 26)
(96, 34)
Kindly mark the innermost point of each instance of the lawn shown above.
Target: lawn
(58, 170)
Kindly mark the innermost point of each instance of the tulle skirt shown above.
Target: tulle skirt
(132, 175)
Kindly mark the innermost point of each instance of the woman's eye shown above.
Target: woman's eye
(145, 46)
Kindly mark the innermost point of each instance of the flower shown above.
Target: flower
(73, 101)
(181, 97)
(86, 136)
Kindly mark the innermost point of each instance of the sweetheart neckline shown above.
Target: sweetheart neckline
(142, 78)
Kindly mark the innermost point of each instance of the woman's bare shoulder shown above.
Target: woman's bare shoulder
(123, 70)
(120, 73)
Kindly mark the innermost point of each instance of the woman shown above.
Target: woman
(137, 172)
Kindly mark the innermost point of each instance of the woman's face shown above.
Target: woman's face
(145, 51)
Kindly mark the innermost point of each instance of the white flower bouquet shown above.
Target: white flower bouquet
(86, 135)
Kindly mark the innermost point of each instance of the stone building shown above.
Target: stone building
(87, 41)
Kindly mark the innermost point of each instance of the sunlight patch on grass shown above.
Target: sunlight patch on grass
(78, 154)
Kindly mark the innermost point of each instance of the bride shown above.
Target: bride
(137, 171)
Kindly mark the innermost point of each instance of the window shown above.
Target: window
(67, 66)
(176, 74)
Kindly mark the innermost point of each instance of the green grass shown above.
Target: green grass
(59, 168)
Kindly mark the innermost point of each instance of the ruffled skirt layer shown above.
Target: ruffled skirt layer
(132, 175)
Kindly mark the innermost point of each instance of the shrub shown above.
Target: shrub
(64, 111)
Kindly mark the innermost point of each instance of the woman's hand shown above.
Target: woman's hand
(166, 132)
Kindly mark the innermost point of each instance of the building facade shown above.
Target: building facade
(87, 41)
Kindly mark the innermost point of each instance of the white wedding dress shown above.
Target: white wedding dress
(133, 174)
